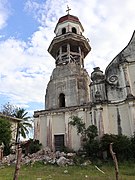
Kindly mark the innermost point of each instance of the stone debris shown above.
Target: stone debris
(8, 159)
(62, 161)
(65, 171)
(86, 163)
(45, 155)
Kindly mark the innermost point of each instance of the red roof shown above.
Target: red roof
(68, 17)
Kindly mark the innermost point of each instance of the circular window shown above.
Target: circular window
(113, 79)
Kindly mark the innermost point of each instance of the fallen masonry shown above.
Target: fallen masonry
(45, 155)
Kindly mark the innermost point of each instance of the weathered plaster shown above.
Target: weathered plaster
(107, 100)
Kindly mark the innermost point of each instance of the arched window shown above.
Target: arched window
(64, 48)
(74, 30)
(63, 30)
(62, 100)
(74, 48)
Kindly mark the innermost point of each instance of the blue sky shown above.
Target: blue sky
(27, 28)
(19, 23)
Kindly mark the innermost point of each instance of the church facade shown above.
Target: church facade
(106, 100)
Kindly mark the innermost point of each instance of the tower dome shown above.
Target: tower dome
(69, 45)
(68, 23)
(68, 17)
(97, 75)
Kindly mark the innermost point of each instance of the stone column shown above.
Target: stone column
(49, 133)
(126, 79)
(60, 56)
(132, 116)
(100, 120)
(68, 52)
(80, 57)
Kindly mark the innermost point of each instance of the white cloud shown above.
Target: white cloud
(24, 71)
(26, 66)
(109, 26)
(46, 13)
(4, 12)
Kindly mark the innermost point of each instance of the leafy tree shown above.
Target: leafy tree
(90, 145)
(5, 134)
(91, 132)
(8, 109)
(24, 125)
(123, 146)
(78, 122)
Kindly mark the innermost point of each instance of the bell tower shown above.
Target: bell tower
(69, 82)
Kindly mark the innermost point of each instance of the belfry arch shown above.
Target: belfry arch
(62, 100)
(63, 30)
(74, 30)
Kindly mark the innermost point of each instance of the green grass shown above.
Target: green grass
(53, 172)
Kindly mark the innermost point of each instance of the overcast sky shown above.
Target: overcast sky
(27, 28)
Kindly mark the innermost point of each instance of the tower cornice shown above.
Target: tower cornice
(80, 40)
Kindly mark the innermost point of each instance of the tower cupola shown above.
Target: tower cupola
(69, 45)
(68, 23)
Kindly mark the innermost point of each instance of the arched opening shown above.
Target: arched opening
(63, 30)
(64, 48)
(62, 100)
(74, 30)
(74, 48)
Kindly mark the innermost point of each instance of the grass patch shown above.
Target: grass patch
(53, 172)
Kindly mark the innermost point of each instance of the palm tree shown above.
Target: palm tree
(24, 125)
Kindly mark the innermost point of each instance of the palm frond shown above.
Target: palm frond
(25, 124)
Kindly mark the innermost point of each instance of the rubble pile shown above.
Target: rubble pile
(45, 155)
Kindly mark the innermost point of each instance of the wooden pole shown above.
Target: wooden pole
(1, 151)
(18, 161)
(115, 162)
(0, 154)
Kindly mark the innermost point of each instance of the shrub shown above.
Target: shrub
(31, 146)
(133, 145)
(90, 145)
(5, 135)
(105, 142)
(121, 146)
(92, 148)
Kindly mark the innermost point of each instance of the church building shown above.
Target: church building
(106, 100)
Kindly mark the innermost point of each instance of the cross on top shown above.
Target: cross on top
(68, 9)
